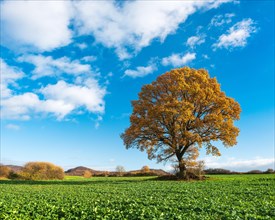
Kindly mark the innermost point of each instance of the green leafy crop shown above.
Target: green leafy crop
(220, 197)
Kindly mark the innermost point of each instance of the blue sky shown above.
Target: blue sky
(69, 71)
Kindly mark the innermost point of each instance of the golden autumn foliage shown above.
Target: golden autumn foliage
(4, 171)
(87, 174)
(145, 169)
(41, 171)
(183, 108)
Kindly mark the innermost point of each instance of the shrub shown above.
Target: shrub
(4, 171)
(41, 171)
(87, 174)
(269, 171)
(145, 169)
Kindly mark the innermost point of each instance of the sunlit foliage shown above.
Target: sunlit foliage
(4, 171)
(41, 171)
(183, 108)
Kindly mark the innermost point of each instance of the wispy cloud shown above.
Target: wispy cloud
(140, 71)
(89, 58)
(177, 60)
(239, 164)
(13, 127)
(81, 46)
(237, 35)
(219, 20)
(9, 76)
(195, 40)
(48, 66)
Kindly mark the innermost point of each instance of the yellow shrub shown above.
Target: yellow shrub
(41, 171)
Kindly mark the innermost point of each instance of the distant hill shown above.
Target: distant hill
(79, 171)
(15, 168)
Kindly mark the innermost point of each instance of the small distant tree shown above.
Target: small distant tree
(4, 171)
(106, 173)
(145, 169)
(269, 170)
(41, 171)
(201, 167)
(120, 170)
(87, 174)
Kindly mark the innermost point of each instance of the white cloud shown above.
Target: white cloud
(126, 27)
(47, 66)
(41, 25)
(82, 46)
(134, 24)
(9, 75)
(239, 164)
(60, 100)
(89, 58)
(90, 96)
(237, 35)
(140, 71)
(177, 60)
(19, 106)
(195, 40)
(60, 108)
(219, 20)
(13, 127)
(97, 121)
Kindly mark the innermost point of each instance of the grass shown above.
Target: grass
(219, 197)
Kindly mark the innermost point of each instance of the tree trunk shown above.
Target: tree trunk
(182, 170)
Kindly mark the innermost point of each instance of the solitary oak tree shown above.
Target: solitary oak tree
(182, 110)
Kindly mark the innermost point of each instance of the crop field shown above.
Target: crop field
(219, 197)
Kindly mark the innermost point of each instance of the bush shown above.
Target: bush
(13, 175)
(145, 169)
(41, 171)
(4, 171)
(269, 171)
(87, 174)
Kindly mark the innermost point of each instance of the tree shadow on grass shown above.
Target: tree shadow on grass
(107, 181)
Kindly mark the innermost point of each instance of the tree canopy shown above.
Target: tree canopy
(183, 108)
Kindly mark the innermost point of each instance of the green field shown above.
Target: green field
(219, 197)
